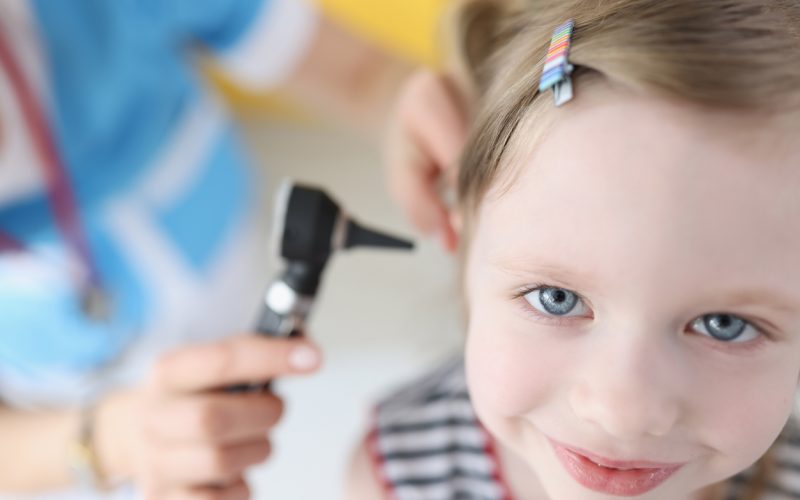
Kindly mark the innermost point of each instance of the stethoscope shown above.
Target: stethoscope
(96, 302)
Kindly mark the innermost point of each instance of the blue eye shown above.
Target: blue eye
(725, 328)
(559, 302)
(553, 301)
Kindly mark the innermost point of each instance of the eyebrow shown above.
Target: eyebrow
(762, 297)
(525, 267)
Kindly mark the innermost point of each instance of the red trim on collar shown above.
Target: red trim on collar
(378, 462)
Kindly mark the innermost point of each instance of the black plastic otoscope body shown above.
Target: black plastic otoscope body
(312, 227)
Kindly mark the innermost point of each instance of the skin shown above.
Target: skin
(176, 435)
(655, 214)
(426, 134)
(183, 434)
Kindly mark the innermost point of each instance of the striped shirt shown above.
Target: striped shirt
(428, 444)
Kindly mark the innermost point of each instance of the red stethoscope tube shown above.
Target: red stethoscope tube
(59, 191)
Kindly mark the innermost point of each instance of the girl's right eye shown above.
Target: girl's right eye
(553, 301)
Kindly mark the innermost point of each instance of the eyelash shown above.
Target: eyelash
(527, 308)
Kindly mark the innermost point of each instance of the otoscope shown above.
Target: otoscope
(310, 227)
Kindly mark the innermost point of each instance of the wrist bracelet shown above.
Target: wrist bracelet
(83, 460)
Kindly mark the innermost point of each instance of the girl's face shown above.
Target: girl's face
(634, 299)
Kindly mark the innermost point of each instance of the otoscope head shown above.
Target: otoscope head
(309, 220)
(360, 236)
(314, 227)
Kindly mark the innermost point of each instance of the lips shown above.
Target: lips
(613, 477)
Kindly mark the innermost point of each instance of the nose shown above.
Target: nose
(629, 388)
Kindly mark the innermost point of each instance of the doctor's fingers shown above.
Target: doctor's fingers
(236, 360)
(178, 467)
(212, 417)
(236, 490)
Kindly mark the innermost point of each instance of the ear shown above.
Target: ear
(457, 221)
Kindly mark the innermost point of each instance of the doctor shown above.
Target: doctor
(127, 229)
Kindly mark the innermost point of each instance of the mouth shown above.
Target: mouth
(614, 477)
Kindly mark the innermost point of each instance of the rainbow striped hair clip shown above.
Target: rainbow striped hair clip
(557, 69)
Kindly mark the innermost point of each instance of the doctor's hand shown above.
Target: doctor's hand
(424, 141)
(181, 436)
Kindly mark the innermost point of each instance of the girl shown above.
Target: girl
(629, 264)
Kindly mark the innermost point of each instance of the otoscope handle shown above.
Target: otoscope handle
(288, 323)
(272, 324)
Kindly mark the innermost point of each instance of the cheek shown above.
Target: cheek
(513, 369)
(743, 414)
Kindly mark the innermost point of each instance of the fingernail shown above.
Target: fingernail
(303, 358)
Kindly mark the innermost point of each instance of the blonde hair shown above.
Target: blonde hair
(740, 55)
(737, 55)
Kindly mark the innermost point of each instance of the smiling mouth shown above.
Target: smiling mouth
(613, 477)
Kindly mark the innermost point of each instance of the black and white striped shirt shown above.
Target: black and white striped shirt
(427, 444)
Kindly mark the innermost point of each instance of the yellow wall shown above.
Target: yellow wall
(405, 27)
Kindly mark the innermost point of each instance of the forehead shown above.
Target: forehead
(641, 187)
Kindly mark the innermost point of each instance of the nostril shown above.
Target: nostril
(622, 414)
